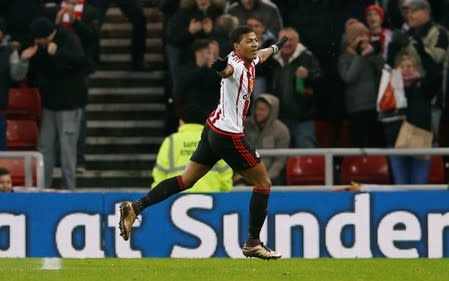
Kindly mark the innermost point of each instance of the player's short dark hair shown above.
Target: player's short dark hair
(236, 34)
(4, 171)
(192, 113)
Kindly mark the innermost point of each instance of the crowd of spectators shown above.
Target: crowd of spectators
(329, 69)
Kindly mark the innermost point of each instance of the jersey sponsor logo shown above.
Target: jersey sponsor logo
(250, 83)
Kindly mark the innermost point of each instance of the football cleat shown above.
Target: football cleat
(260, 251)
(127, 218)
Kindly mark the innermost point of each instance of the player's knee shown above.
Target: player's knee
(188, 182)
(264, 183)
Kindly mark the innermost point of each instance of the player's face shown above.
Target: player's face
(248, 46)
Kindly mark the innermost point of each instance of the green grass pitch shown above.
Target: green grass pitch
(109, 269)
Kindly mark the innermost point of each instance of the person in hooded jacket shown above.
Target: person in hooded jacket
(266, 131)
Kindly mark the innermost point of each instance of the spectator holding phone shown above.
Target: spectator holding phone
(360, 68)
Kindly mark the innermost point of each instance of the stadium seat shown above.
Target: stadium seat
(24, 103)
(364, 169)
(22, 134)
(305, 170)
(344, 134)
(324, 133)
(444, 133)
(16, 167)
(436, 175)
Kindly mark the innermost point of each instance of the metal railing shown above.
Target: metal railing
(330, 153)
(28, 157)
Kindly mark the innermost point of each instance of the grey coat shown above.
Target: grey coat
(361, 75)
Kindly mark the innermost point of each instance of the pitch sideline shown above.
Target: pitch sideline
(51, 264)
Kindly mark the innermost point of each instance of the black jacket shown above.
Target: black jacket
(62, 78)
(87, 29)
(5, 78)
(293, 105)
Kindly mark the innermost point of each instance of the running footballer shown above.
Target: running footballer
(223, 138)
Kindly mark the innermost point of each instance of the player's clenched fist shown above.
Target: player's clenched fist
(279, 44)
(219, 64)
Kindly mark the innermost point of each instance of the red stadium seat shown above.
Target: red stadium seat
(344, 134)
(365, 169)
(444, 133)
(22, 135)
(305, 170)
(17, 170)
(324, 133)
(24, 103)
(436, 175)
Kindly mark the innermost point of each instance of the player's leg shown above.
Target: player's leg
(243, 158)
(166, 188)
(258, 177)
(258, 206)
(202, 160)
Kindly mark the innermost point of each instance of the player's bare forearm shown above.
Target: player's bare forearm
(265, 53)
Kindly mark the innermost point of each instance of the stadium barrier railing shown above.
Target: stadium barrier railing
(330, 153)
(28, 157)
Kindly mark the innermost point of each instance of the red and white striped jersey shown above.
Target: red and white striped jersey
(235, 93)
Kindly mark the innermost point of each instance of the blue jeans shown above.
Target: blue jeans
(3, 130)
(409, 170)
(302, 133)
(436, 117)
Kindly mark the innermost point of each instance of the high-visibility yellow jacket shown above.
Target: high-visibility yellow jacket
(175, 153)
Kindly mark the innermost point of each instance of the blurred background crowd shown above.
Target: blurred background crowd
(328, 73)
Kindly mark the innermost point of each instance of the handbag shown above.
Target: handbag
(388, 101)
(391, 94)
(411, 136)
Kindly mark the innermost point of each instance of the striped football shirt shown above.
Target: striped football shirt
(235, 94)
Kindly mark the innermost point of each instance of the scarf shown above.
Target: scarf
(384, 39)
(77, 13)
(410, 78)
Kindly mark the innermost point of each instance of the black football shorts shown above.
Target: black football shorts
(234, 149)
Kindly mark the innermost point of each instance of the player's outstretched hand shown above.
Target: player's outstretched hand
(219, 64)
(279, 44)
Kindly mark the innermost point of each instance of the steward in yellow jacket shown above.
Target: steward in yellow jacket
(175, 152)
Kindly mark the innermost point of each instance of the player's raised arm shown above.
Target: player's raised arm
(265, 53)
(222, 68)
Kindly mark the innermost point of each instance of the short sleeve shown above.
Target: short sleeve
(237, 68)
